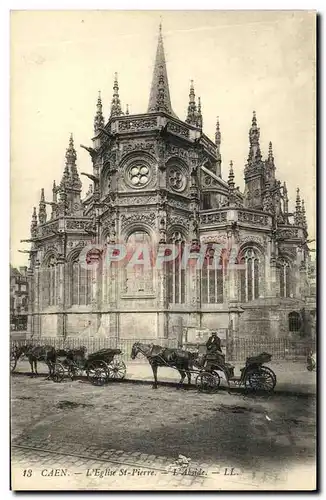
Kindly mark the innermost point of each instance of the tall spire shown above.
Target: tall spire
(254, 146)
(99, 119)
(192, 108)
(115, 103)
(42, 215)
(34, 223)
(159, 99)
(71, 157)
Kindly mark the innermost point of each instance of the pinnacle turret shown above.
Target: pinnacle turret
(34, 223)
(218, 135)
(298, 214)
(127, 109)
(231, 182)
(42, 215)
(192, 108)
(71, 157)
(270, 153)
(99, 119)
(285, 198)
(115, 103)
(303, 214)
(159, 99)
(199, 115)
(54, 192)
(254, 156)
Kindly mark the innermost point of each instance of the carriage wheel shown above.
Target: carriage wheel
(98, 373)
(261, 379)
(117, 369)
(208, 382)
(72, 371)
(272, 374)
(13, 363)
(59, 373)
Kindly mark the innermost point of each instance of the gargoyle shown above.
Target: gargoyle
(91, 151)
(106, 132)
(92, 177)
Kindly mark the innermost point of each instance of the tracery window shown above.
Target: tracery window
(49, 283)
(285, 279)
(139, 277)
(212, 278)
(249, 275)
(176, 275)
(81, 284)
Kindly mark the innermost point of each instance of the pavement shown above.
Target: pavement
(74, 436)
(292, 377)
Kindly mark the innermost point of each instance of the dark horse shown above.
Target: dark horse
(165, 356)
(16, 353)
(45, 353)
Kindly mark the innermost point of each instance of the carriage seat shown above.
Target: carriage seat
(264, 357)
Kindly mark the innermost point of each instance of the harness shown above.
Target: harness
(154, 356)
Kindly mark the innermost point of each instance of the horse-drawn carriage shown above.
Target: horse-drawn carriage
(253, 376)
(99, 366)
(208, 367)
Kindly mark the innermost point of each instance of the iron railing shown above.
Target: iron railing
(236, 349)
(95, 344)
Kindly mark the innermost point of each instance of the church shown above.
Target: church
(156, 180)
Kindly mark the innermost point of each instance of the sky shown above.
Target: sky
(239, 61)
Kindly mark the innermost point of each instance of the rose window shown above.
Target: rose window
(138, 175)
(177, 180)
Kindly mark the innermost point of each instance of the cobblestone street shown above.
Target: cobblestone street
(127, 436)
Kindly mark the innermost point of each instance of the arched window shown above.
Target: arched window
(285, 279)
(212, 278)
(49, 283)
(139, 277)
(176, 275)
(295, 321)
(249, 275)
(81, 284)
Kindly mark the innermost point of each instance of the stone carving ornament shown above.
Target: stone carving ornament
(147, 218)
(177, 180)
(138, 200)
(138, 146)
(251, 239)
(141, 123)
(138, 175)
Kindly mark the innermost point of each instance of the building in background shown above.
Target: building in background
(18, 299)
(156, 179)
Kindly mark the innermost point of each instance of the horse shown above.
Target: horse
(47, 354)
(17, 352)
(165, 356)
